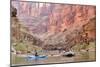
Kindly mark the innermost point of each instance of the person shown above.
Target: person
(36, 54)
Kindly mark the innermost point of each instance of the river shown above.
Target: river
(79, 57)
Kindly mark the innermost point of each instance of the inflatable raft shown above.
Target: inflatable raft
(33, 57)
(69, 54)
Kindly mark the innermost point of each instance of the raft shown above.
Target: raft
(69, 54)
(33, 57)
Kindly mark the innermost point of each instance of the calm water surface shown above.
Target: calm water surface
(81, 56)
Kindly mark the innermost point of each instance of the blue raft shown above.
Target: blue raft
(33, 57)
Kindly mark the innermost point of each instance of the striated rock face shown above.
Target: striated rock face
(53, 18)
(90, 28)
(57, 24)
(63, 16)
